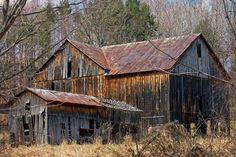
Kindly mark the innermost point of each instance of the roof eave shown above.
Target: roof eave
(105, 68)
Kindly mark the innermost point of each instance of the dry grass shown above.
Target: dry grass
(3, 119)
(169, 140)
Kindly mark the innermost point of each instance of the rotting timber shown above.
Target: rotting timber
(166, 87)
(44, 116)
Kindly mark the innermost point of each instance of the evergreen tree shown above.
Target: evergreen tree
(64, 7)
(140, 22)
(115, 22)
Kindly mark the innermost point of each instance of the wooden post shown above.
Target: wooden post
(120, 133)
(30, 130)
(109, 132)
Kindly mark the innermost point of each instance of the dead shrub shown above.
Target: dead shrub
(168, 140)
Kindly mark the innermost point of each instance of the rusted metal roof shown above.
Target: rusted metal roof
(143, 56)
(64, 97)
(140, 56)
(93, 52)
(81, 99)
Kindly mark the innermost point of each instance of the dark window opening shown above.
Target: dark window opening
(63, 128)
(69, 127)
(27, 106)
(53, 86)
(26, 126)
(199, 51)
(91, 124)
(26, 129)
(69, 68)
(44, 117)
(86, 132)
(98, 125)
(78, 71)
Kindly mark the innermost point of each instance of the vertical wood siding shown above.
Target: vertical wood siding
(77, 121)
(57, 68)
(52, 123)
(186, 94)
(174, 97)
(206, 63)
(33, 117)
(148, 92)
(90, 85)
(81, 121)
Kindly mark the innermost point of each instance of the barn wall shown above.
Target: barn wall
(57, 68)
(193, 98)
(28, 125)
(148, 92)
(151, 92)
(206, 63)
(85, 124)
(91, 85)
(69, 125)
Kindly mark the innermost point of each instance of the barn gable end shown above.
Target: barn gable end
(28, 119)
(70, 62)
(199, 57)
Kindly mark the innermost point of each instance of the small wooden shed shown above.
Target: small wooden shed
(42, 116)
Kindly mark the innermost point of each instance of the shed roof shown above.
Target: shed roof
(79, 99)
(64, 97)
(121, 105)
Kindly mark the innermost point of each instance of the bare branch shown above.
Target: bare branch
(35, 60)
(228, 18)
(10, 15)
(53, 8)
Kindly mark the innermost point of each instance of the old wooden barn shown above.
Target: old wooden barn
(177, 78)
(43, 116)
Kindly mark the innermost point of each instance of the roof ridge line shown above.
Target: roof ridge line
(138, 42)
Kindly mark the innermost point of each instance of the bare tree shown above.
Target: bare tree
(10, 13)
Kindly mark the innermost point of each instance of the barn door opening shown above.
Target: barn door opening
(26, 127)
(69, 68)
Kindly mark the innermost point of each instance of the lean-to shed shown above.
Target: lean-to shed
(40, 116)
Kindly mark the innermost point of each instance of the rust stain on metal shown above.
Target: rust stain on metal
(143, 57)
(136, 57)
(93, 52)
(64, 97)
